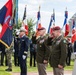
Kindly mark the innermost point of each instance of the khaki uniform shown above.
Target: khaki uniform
(58, 52)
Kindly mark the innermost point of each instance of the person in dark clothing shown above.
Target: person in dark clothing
(75, 46)
(16, 50)
(42, 54)
(3, 53)
(69, 51)
(32, 54)
(23, 50)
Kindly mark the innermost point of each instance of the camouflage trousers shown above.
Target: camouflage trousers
(9, 58)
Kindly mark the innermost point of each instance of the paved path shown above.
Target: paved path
(48, 73)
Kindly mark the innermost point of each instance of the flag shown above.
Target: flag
(49, 29)
(52, 21)
(73, 27)
(24, 21)
(73, 37)
(66, 27)
(6, 36)
(38, 19)
(73, 31)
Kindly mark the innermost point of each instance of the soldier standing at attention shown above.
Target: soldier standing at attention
(58, 52)
(23, 49)
(16, 49)
(9, 57)
(42, 50)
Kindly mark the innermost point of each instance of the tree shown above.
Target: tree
(31, 23)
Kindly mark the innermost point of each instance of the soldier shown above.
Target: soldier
(3, 54)
(9, 57)
(16, 49)
(42, 53)
(69, 51)
(23, 49)
(58, 52)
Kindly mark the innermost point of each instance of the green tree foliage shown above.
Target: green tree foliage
(31, 23)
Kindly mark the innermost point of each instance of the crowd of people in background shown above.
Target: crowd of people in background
(57, 54)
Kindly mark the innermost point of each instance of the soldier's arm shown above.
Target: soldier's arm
(34, 39)
(26, 46)
(63, 48)
(47, 51)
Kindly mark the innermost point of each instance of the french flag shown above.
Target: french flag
(66, 27)
(24, 22)
(52, 22)
(38, 19)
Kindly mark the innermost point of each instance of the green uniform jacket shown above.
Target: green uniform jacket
(58, 52)
(42, 49)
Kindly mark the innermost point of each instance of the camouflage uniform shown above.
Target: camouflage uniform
(9, 58)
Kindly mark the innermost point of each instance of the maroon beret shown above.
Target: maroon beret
(56, 28)
(42, 28)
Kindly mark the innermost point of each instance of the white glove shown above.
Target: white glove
(0, 52)
(13, 50)
(23, 56)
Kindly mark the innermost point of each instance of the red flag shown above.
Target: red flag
(67, 29)
(6, 36)
(74, 37)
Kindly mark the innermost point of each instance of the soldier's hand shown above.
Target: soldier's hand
(60, 66)
(13, 50)
(0, 52)
(24, 57)
(45, 61)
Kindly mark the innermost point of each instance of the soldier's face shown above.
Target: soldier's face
(55, 33)
(42, 32)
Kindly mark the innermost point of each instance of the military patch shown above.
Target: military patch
(64, 41)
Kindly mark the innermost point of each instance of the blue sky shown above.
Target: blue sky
(47, 7)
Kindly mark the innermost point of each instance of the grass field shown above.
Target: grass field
(30, 69)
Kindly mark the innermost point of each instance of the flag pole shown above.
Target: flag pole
(53, 17)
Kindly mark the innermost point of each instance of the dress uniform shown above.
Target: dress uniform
(42, 54)
(23, 49)
(58, 51)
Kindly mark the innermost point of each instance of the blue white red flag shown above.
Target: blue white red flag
(6, 36)
(66, 27)
(73, 32)
(38, 19)
(24, 22)
(52, 22)
(73, 27)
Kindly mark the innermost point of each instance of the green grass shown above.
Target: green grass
(30, 69)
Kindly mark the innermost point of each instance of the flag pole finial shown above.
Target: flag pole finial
(66, 8)
(39, 7)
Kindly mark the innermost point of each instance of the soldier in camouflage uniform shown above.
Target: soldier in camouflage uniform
(58, 51)
(42, 50)
(9, 57)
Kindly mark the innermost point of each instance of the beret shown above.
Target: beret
(42, 28)
(56, 28)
